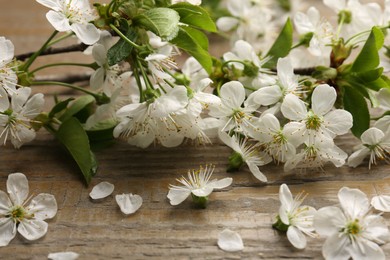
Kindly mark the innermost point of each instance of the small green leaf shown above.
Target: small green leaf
(72, 135)
(282, 45)
(122, 49)
(356, 104)
(368, 76)
(194, 15)
(101, 135)
(60, 106)
(368, 58)
(164, 22)
(78, 105)
(195, 43)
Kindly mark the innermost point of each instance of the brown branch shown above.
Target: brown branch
(70, 78)
(51, 50)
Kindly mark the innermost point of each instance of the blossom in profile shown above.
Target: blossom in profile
(15, 215)
(351, 230)
(72, 15)
(8, 78)
(198, 184)
(293, 218)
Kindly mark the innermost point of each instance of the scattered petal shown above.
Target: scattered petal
(128, 203)
(381, 202)
(101, 190)
(230, 241)
(63, 256)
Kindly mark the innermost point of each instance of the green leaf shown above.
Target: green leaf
(72, 135)
(195, 43)
(78, 105)
(195, 16)
(60, 106)
(356, 104)
(164, 22)
(282, 45)
(368, 58)
(122, 49)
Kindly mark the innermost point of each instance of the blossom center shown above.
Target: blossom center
(352, 228)
(313, 122)
(17, 213)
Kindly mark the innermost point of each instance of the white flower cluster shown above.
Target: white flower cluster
(352, 230)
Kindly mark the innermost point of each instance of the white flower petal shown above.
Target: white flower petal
(7, 51)
(101, 190)
(7, 231)
(63, 256)
(202, 192)
(286, 198)
(372, 136)
(220, 184)
(354, 202)
(226, 24)
(328, 220)
(323, 99)
(5, 203)
(97, 78)
(233, 94)
(19, 98)
(52, 4)
(383, 96)
(58, 21)
(43, 206)
(268, 95)
(336, 247)
(338, 121)
(371, 251)
(230, 241)
(87, 33)
(381, 202)
(383, 123)
(293, 108)
(177, 196)
(296, 237)
(17, 188)
(358, 156)
(129, 203)
(4, 100)
(32, 229)
(256, 172)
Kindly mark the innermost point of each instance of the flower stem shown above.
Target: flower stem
(36, 54)
(63, 37)
(124, 37)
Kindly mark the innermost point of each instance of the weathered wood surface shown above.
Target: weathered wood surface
(98, 230)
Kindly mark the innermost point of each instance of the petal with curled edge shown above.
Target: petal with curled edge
(296, 237)
(177, 196)
(7, 231)
(128, 203)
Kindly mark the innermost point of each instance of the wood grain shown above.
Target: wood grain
(98, 230)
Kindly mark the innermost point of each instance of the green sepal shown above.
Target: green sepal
(73, 136)
(279, 225)
(282, 45)
(235, 162)
(200, 202)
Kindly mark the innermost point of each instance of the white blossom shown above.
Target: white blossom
(198, 183)
(351, 230)
(71, 15)
(15, 215)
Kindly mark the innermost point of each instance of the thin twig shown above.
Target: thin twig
(51, 50)
(70, 78)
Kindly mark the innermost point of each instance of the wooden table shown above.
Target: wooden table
(98, 230)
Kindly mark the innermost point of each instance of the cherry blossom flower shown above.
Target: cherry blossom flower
(230, 112)
(72, 15)
(320, 121)
(16, 118)
(16, 216)
(351, 231)
(198, 184)
(246, 153)
(297, 220)
(8, 78)
(376, 144)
